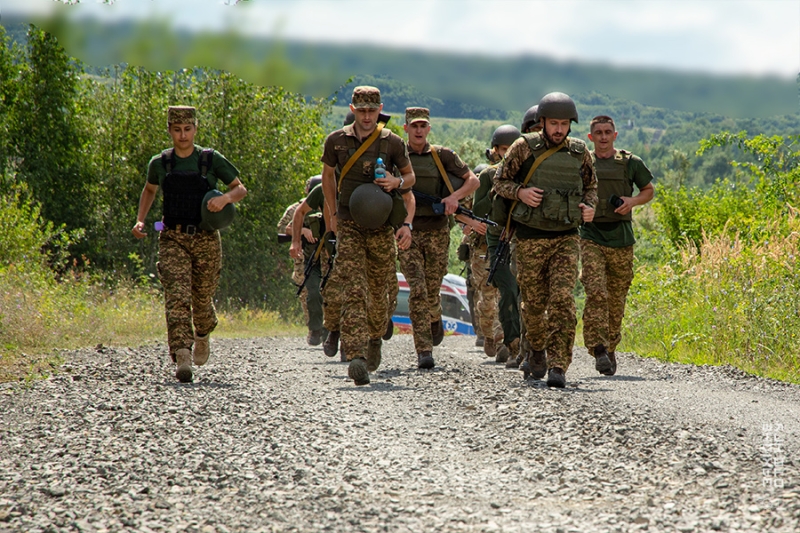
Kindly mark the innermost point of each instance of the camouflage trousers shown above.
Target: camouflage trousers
(189, 267)
(606, 274)
(424, 265)
(486, 296)
(547, 274)
(367, 257)
(508, 290)
(332, 297)
(310, 297)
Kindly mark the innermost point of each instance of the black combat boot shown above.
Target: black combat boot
(556, 378)
(601, 361)
(331, 344)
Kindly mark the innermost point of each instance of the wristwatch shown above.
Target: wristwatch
(402, 181)
(410, 227)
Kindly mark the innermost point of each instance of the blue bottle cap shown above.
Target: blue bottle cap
(159, 226)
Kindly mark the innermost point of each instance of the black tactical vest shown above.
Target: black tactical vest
(184, 190)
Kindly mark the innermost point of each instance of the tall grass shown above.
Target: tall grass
(724, 301)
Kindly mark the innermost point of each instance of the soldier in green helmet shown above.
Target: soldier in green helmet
(366, 250)
(189, 250)
(607, 242)
(551, 181)
(439, 173)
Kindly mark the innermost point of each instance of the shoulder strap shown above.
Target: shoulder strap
(168, 159)
(206, 156)
(358, 153)
(438, 161)
(538, 161)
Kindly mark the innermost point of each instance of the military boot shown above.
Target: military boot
(537, 364)
(425, 360)
(331, 344)
(556, 378)
(201, 349)
(374, 354)
(479, 340)
(314, 337)
(612, 356)
(489, 347)
(601, 361)
(183, 358)
(357, 371)
(502, 354)
(437, 332)
(389, 330)
(515, 354)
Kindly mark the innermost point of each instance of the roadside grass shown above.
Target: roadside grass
(723, 302)
(40, 317)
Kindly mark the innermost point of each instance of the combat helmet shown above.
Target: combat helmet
(312, 182)
(505, 135)
(480, 168)
(219, 220)
(349, 118)
(531, 117)
(558, 105)
(370, 206)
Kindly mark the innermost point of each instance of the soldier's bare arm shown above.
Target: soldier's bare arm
(145, 202)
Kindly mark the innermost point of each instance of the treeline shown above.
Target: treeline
(77, 147)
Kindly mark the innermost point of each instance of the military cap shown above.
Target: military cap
(415, 114)
(181, 114)
(365, 96)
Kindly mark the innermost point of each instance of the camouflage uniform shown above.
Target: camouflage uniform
(424, 263)
(299, 264)
(547, 260)
(190, 260)
(366, 256)
(486, 296)
(607, 251)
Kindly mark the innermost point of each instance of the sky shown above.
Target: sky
(752, 37)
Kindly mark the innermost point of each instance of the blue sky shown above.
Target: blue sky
(723, 37)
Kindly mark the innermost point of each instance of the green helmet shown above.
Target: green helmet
(220, 219)
(312, 182)
(480, 168)
(558, 105)
(370, 206)
(505, 135)
(531, 117)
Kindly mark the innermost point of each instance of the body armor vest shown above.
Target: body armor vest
(428, 180)
(184, 190)
(611, 179)
(559, 176)
(363, 171)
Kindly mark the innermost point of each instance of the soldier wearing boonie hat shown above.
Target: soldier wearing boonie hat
(367, 254)
(424, 263)
(189, 253)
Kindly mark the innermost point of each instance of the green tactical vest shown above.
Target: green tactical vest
(363, 171)
(428, 180)
(611, 179)
(559, 176)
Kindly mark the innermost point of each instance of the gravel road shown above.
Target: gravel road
(272, 436)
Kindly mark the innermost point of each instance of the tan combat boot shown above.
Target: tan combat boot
(201, 349)
(184, 359)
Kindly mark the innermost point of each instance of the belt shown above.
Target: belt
(189, 229)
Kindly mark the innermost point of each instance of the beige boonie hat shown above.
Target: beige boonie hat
(366, 97)
(181, 114)
(416, 114)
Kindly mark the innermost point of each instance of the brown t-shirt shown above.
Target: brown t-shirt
(335, 153)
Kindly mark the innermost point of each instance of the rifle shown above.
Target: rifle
(500, 254)
(330, 265)
(438, 208)
(284, 238)
(310, 264)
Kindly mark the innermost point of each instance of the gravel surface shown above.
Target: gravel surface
(272, 436)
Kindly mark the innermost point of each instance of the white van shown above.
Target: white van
(455, 308)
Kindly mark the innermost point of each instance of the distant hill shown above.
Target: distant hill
(481, 87)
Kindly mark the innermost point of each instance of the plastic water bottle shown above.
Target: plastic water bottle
(380, 169)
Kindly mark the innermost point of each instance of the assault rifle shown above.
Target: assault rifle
(500, 254)
(438, 208)
(284, 238)
(330, 265)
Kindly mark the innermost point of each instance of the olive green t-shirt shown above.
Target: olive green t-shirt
(619, 234)
(221, 169)
(316, 199)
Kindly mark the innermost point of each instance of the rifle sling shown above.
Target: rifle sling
(358, 153)
(538, 161)
(439, 165)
